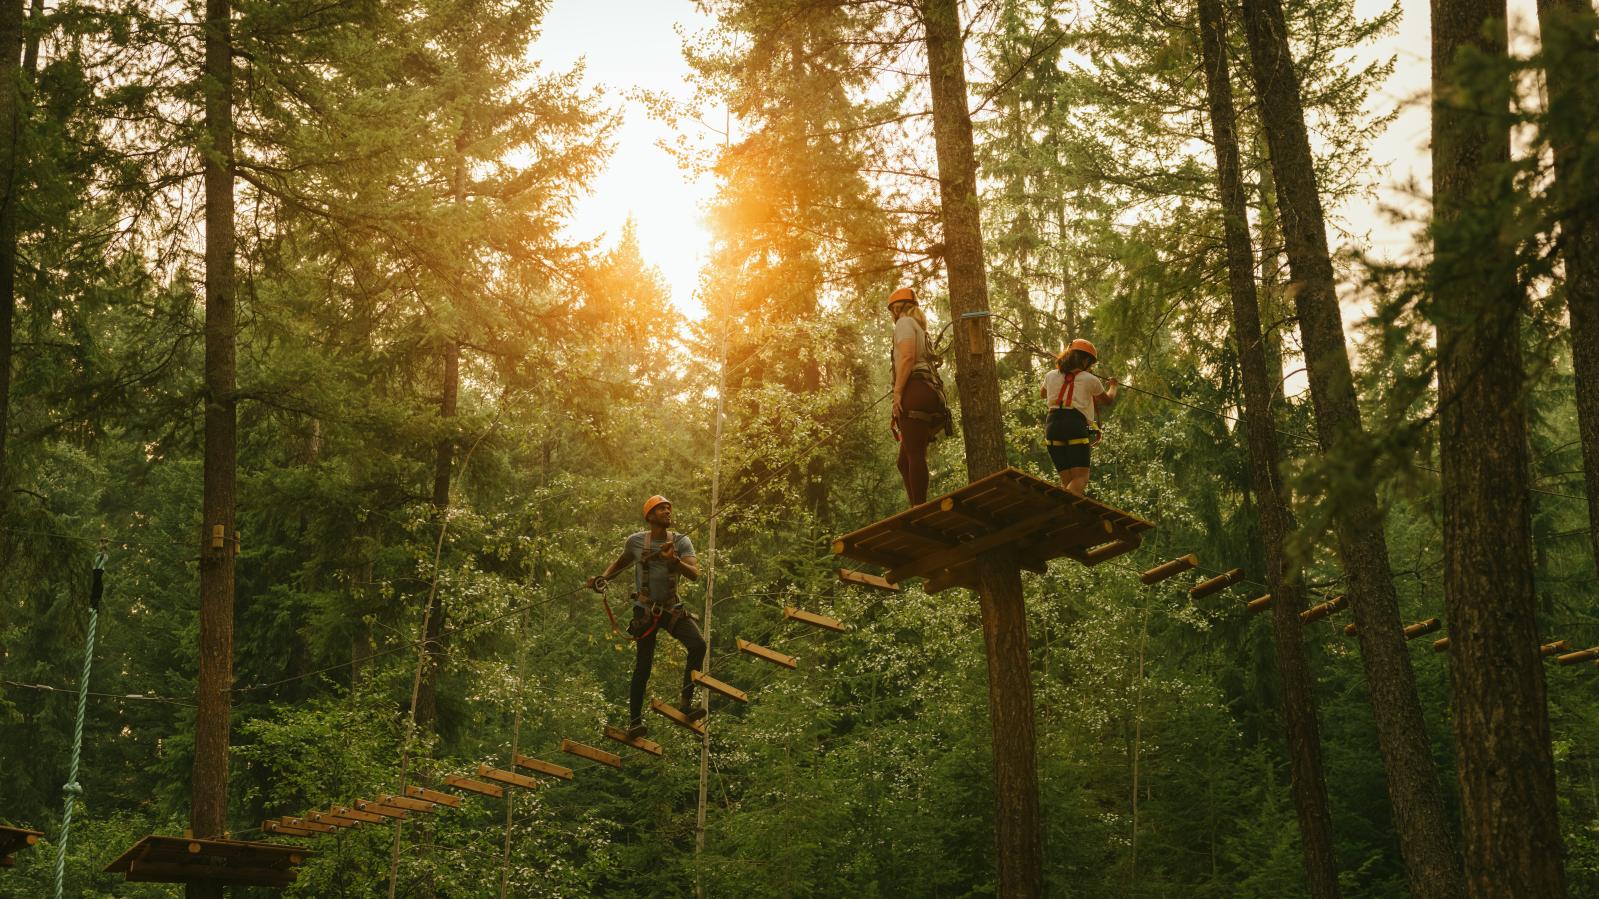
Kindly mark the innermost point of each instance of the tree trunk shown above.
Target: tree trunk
(1432, 867)
(208, 814)
(1309, 785)
(1018, 833)
(1573, 100)
(11, 118)
(1505, 764)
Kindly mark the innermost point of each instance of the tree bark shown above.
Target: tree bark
(1504, 760)
(209, 803)
(11, 117)
(1431, 864)
(1309, 785)
(1018, 832)
(1573, 101)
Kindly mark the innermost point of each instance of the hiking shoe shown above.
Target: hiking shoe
(636, 729)
(691, 711)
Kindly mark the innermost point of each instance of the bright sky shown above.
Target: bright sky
(627, 45)
(630, 45)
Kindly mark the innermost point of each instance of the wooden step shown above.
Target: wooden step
(1412, 631)
(1324, 609)
(312, 826)
(1216, 584)
(620, 736)
(406, 802)
(583, 750)
(473, 786)
(728, 690)
(1108, 551)
(1169, 569)
(509, 778)
(862, 579)
(676, 717)
(539, 766)
(1259, 604)
(358, 815)
(330, 818)
(287, 830)
(761, 652)
(1554, 648)
(433, 796)
(1581, 655)
(832, 624)
(378, 808)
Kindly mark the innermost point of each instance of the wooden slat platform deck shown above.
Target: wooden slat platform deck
(158, 859)
(12, 839)
(941, 539)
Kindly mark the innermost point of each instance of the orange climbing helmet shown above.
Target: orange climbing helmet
(652, 502)
(1079, 344)
(902, 295)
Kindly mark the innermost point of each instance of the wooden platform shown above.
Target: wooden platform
(157, 859)
(941, 539)
(12, 839)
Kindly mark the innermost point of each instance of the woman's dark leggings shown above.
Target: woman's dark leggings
(914, 436)
(687, 633)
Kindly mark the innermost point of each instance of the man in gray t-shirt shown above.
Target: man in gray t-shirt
(658, 557)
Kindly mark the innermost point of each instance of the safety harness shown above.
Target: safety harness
(1063, 400)
(652, 608)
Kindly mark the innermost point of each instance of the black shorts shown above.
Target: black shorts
(1067, 434)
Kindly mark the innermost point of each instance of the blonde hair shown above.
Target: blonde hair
(916, 313)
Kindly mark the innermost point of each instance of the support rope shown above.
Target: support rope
(71, 790)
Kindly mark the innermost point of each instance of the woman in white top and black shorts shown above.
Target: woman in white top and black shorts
(1075, 397)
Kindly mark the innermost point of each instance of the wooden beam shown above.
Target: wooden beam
(510, 778)
(583, 750)
(1440, 645)
(955, 555)
(1581, 655)
(286, 830)
(378, 808)
(761, 652)
(1555, 648)
(1259, 604)
(862, 579)
(406, 802)
(1322, 610)
(1216, 584)
(1169, 569)
(327, 818)
(841, 546)
(312, 826)
(728, 690)
(548, 769)
(473, 786)
(620, 736)
(356, 814)
(1412, 631)
(676, 717)
(832, 624)
(433, 796)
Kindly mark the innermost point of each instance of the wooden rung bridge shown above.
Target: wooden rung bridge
(941, 540)
(671, 714)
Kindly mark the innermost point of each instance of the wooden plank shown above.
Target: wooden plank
(331, 818)
(761, 652)
(510, 778)
(583, 750)
(219, 855)
(862, 579)
(473, 786)
(358, 815)
(1581, 655)
(406, 802)
(378, 808)
(1216, 584)
(1555, 648)
(540, 766)
(620, 736)
(832, 624)
(1101, 554)
(286, 830)
(728, 690)
(312, 826)
(1440, 645)
(1169, 569)
(1322, 610)
(953, 556)
(140, 871)
(1411, 631)
(676, 717)
(433, 796)
(1259, 604)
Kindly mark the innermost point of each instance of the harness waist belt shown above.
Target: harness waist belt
(1075, 441)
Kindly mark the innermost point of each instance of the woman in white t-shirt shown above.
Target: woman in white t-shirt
(1075, 397)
